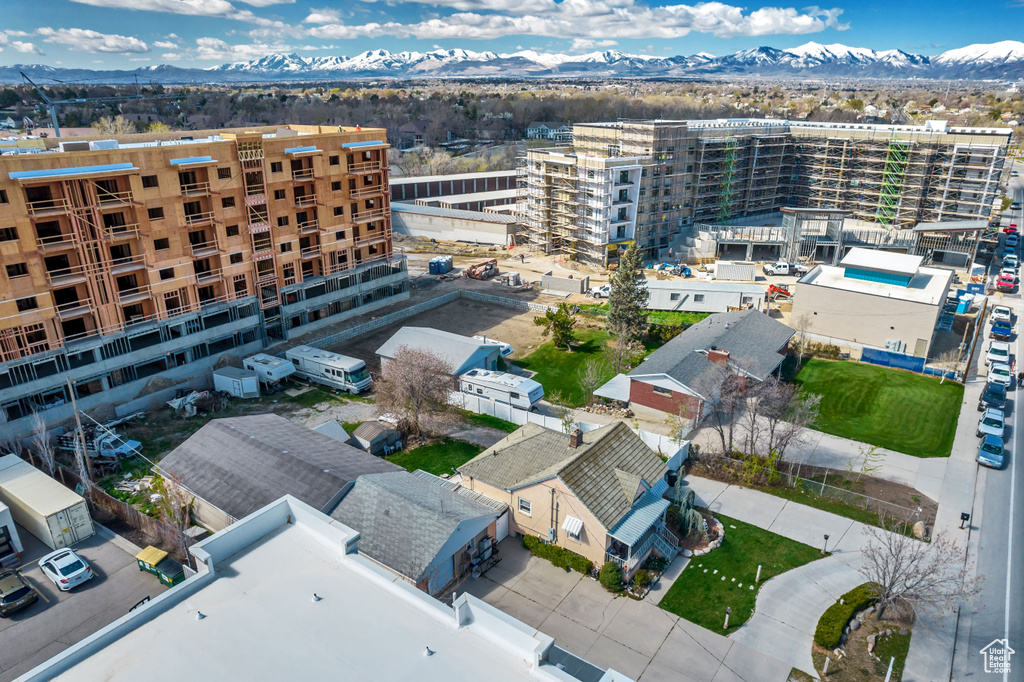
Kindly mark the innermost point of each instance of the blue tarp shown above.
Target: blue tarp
(889, 359)
(374, 143)
(192, 159)
(300, 150)
(79, 170)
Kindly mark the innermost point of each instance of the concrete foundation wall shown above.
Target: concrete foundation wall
(451, 229)
(575, 285)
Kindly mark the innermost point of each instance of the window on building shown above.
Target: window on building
(156, 213)
(340, 235)
(236, 258)
(223, 173)
(674, 297)
(658, 390)
(227, 202)
(231, 230)
(29, 303)
(746, 300)
(286, 247)
(167, 273)
(335, 161)
(339, 211)
(524, 506)
(8, 234)
(150, 181)
(279, 193)
(275, 167)
(698, 298)
(17, 270)
(336, 186)
(161, 244)
(282, 221)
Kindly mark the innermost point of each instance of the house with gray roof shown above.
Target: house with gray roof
(237, 465)
(685, 376)
(590, 493)
(421, 528)
(462, 352)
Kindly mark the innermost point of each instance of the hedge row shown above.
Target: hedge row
(834, 620)
(558, 556)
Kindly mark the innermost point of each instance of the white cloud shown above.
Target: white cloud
(26, 48)
(163, 45)
(325, 15)
(267, 3)
(583, 19)
(215, 49)
(580, 44)
(93, 41)
(200, 8)
(18, 45)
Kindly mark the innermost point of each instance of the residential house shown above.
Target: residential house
(420, 527)
(685, 376)
(590, 493)
(237, 465)
(413, 134)
(462, 352)
(548, 130)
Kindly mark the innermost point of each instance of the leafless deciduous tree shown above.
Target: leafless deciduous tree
(726, 409)
(592, 375)
(116, 126)
(176, 510)
(920, 576)
(948, 361)
(623, 353)
(561, 409)
(786, 413)
(802, 324)
(414, 386)
(82, 468)
(42, 444)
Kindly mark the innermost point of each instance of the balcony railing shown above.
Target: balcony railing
(133, 294)
(302, 174)
(195, 189)
(309, 226)
(368, 216)
(193, 219)
(115, 232)
(56, 241)
(363, 166)
(113, 198)
(66, 275)
(208, 275)
(311, 251)
(205, 248)
(367, 190)
(305, 200)
(73, 309)
(48, 207)
(128, 263)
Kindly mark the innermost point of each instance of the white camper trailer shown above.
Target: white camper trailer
(330, 369)
(270, 369)
(502, 387)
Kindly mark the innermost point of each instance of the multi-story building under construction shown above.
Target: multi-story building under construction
(715, 171)
(124, 260)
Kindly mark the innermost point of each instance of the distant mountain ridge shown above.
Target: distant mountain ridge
(1001, 60)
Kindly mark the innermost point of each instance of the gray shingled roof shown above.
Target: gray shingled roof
(241, 464)
(597, 472)
(405, 520)
(456, 349)
(752, 338)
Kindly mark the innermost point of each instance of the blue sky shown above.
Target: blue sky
(130, 33)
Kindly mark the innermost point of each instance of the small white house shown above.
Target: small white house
(502, 387)
(330, 369)
(702, 297)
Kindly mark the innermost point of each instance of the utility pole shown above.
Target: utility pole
(50, 106)
(81, 435)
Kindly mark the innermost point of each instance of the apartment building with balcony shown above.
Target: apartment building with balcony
(718, 171)
(127, 259)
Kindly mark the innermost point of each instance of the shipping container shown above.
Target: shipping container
(42, 506)
(743, 271)
(241, 383)
(10, 543)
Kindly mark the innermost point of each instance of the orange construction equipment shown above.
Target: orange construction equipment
(778, 291)
(483, 270)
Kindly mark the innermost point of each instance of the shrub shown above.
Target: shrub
(611, 576)
(558, 556)
(642, 578)
(831, 624)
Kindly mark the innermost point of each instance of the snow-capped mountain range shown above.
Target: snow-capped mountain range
(1002, 60)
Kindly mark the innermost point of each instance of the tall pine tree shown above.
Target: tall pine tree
(627, 300)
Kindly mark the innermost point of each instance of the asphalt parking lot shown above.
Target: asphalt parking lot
(59, 619)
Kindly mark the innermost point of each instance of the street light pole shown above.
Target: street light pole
(824, 548)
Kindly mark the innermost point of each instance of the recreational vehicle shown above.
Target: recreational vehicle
(270, 369)
(330, 369)
(502, 387)
(506, 349)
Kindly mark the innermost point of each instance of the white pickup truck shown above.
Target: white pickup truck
(784, 268)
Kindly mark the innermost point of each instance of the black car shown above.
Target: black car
(993, 396)
(15, 593)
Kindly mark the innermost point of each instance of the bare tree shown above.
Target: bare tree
(414, 386)
(115, 127)
(623, 352)
(82, 468)
(871, 461)
(786, 414)
(920, 576)
(563, 411)
(726, 407)
(42, 444)
(591, 376)
(802, 324)
(176, 510)
(9, 443)
(948, 361)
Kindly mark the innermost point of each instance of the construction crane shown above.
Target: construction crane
(51, 105)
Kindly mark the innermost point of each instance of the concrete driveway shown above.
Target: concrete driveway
(59, 619)
(635, 638)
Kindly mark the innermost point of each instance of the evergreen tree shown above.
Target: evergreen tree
(627, 300)
(559, 323)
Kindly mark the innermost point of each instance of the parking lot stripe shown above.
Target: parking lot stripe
(34, 588)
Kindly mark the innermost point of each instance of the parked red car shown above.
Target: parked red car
(1005, 283)
(1011, 228)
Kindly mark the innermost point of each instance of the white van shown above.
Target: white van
(502, 387)
(330, 369)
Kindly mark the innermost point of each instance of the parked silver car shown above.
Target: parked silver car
(992, 423)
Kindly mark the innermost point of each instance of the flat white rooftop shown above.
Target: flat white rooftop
(882, 261)
(260, 620)
(696, 285)
(928, 286)
(502, 379)
(454, 176)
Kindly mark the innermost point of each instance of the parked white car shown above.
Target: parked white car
(991, 423)
(66, 569)
(1002, 313)
(600, 292)
(998, 352)
(1000, 373)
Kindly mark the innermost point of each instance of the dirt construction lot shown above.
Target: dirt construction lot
(465, 317)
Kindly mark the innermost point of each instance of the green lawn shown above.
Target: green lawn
(557, 369)
(668, 317)
(901, 411)
(489, 421)
(701, 596)
(439, 458)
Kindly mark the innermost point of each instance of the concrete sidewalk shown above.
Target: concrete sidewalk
(815, 448)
